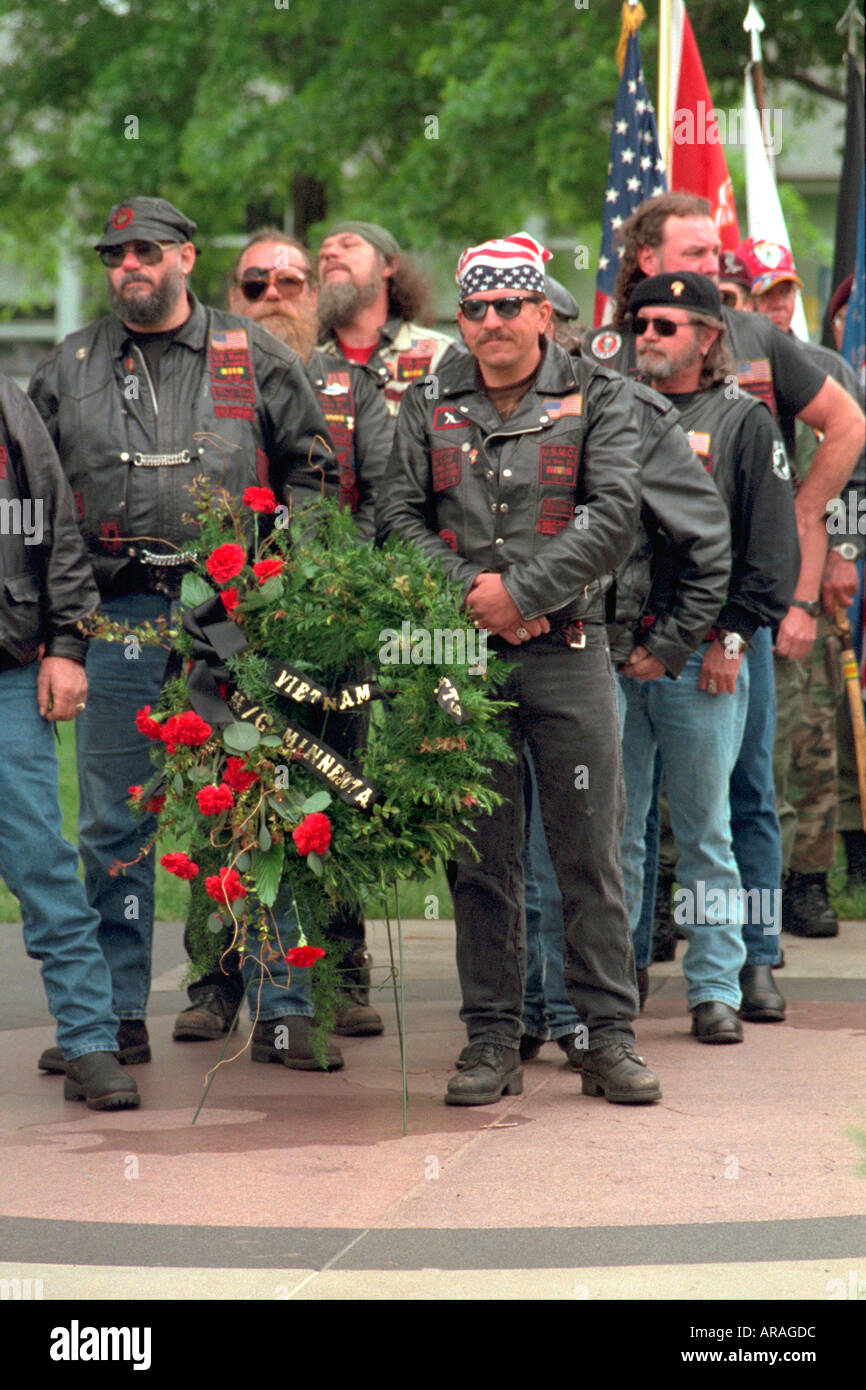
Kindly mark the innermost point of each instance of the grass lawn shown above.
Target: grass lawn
(171, 892)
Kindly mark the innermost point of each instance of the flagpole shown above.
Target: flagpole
(852, 20)
(754, 27)
(664, 102)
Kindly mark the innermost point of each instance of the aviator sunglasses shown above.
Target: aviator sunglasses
(475, 310)
(145, 252)
(255, 284)
(665, 328)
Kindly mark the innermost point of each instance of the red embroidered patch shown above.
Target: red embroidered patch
(122, 218)
(553, 516)
(79, 505)
(231, 371)
(412, 368)
(3, 461)
(450, 538)
(557, 463)
(447, 468)
(263, 469)
(446, 417)
(110, 532)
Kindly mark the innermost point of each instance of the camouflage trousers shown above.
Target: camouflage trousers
(805, 759)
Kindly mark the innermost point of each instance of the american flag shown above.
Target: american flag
(636, 170)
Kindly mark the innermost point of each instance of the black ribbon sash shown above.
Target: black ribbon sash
(300, 744)
(292, 684)
(215, 639)
(447, 697)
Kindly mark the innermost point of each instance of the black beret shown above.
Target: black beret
(681, 290)
(146, 219)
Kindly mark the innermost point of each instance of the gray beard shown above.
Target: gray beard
(148, 309)
(298, 334)
(340, 304)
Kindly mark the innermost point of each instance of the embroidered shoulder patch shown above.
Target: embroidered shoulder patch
(606, 345)
(781, 466)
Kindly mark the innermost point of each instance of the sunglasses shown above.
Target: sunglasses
(665, 328)
(256, 282)
(475, 310)
(145, 252)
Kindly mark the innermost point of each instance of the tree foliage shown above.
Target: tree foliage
(441, 120)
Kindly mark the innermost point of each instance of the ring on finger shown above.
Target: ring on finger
(521, 633)
(712, 688)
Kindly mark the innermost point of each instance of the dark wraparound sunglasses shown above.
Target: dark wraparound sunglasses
(475, 310)
(255, 284)
(145, 252)
(665, 328)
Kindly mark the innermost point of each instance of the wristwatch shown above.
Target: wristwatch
(847, 550)
(810, 606)
(734, 643)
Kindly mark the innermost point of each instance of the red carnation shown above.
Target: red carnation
(266, 569)
(225, 886)
(211, 800)
(260, 499)
(146, 725)
(180, 865)
(225, 562)
(187, 728)
(154, 804)
(238, 776)
(230, 599)
(304, 956)
(134, 793)
(313, 833)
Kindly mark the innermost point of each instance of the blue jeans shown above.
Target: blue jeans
(112, 756)
(755, 832)
(698, 737)
(547, 1010)
(40, 868)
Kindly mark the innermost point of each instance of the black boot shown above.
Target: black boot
(855, 857)
(97, 1078)
(806, 909)
(664, 927)
(354, 1016)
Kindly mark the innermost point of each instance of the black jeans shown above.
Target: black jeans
(566, 710)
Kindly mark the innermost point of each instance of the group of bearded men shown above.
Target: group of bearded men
(623, 523)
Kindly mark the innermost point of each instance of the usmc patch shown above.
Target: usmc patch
(231, 370)
(450, 538)
(446, 417)
(446, 466)
(557, 463)
(412, 366)
(122, 218)
(781, 465)
(607, 345)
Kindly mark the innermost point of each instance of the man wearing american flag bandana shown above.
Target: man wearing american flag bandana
(521, 479)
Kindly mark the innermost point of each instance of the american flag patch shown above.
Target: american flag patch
(564, 405)
(699, 442)
(235, 338)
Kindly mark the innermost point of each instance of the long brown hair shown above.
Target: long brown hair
(646, 227)
(410, 293)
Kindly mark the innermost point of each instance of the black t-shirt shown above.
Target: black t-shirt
(152, 346)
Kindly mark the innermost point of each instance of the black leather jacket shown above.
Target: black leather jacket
(549, 498)
(46, 583)
(684, 529)
(361, 431)
(234, 404)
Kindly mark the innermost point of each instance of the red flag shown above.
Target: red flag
(696, 162)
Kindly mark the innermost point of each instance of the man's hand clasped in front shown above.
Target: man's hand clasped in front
(491, 607)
